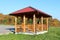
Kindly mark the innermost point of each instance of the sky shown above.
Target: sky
(51, 7)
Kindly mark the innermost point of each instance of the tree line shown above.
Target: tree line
(9, 20)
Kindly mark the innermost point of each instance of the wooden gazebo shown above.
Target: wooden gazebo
(34, 14)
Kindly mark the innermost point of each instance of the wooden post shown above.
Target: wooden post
(34, 22)
(47, 23)
(15, 24)
(24, 22)
(42, 22)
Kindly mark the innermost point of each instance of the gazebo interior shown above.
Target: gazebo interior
(30, 20)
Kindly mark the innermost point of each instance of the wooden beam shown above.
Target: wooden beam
(15, 24)
(42, 23)
(47, 23)
(34, 22)
(24, 22)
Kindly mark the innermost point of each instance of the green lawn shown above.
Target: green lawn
(53, 34)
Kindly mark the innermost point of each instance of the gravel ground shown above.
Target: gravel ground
(5, 29)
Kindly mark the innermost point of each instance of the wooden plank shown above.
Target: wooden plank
(42, 23)
(47, 23)
(24, 22)
(34, 22)
(15, 24)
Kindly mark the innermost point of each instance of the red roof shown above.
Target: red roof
(28, 9)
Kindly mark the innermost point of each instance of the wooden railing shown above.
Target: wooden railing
(30, 27)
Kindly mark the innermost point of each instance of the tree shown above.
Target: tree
(55, 22)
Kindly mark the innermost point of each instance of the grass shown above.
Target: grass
(53, 34)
